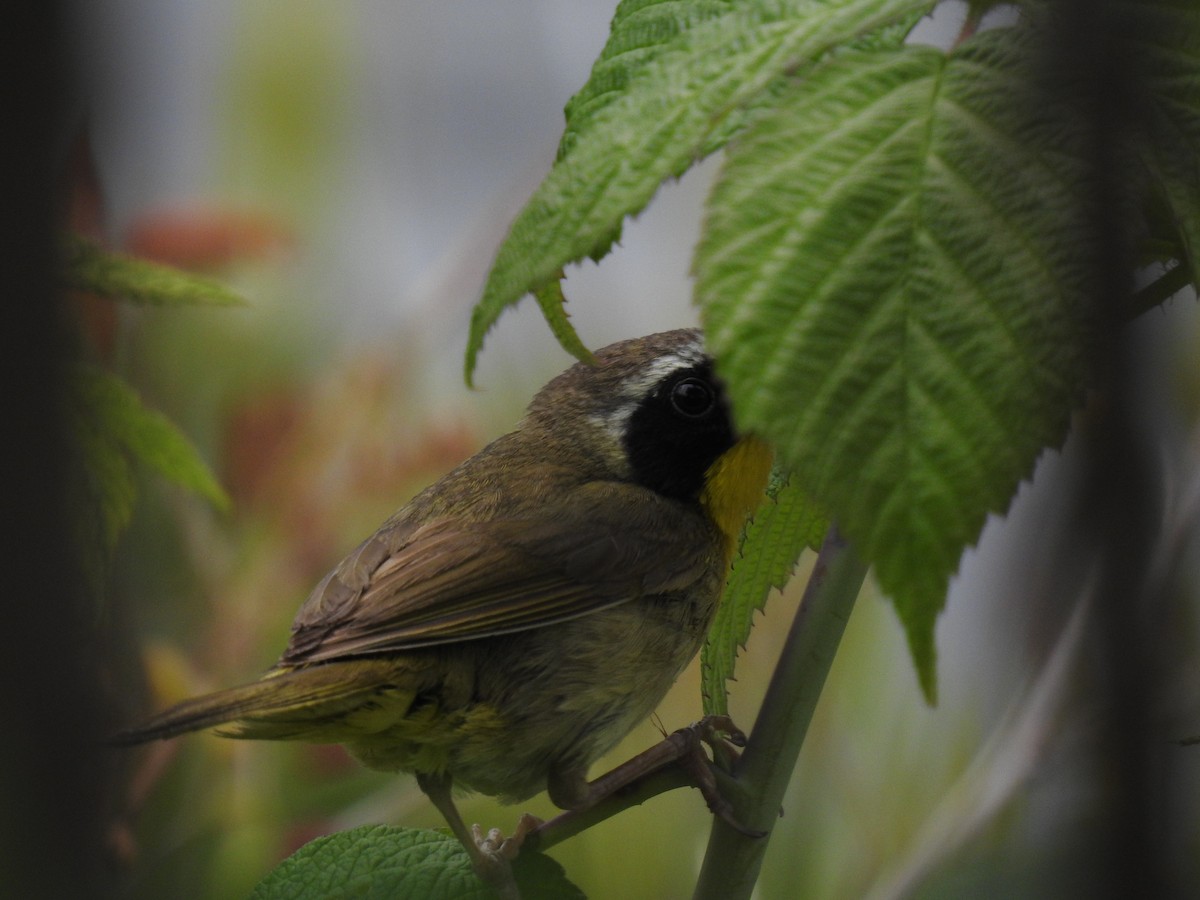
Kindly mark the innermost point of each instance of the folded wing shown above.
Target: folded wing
(446, 580)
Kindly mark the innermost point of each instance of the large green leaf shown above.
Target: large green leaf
(658, 126)
(892, 279)
(389, 863)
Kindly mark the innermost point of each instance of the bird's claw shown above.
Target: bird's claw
(723, 736)
(495, 845)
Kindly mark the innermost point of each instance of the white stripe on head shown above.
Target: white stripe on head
(660, 369)
(633, 389)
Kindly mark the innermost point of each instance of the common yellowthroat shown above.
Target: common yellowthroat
(520, 616)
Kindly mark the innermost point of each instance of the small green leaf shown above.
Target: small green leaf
(678, 108)
(116, 413)
(893, 280)
(786, 523)
(383, 862)
(90, 268)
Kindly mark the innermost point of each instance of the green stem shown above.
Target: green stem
(733, 859)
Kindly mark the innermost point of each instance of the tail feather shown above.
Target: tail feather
(280, 706)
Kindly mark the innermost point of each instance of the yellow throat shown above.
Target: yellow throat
(734, 485)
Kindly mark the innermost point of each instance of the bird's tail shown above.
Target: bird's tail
(286, 704)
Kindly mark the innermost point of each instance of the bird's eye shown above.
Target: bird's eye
(692, 397)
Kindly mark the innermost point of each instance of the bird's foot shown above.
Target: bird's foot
(494, 843)
(493, 855)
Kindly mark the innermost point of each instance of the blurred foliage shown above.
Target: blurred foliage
(112, 430)
(91, 269)
(285, 111)
(111, 427)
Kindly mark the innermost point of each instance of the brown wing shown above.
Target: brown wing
(447, 580)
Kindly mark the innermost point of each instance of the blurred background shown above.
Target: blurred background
(352, 168)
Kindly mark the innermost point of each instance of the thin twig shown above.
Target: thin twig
(569, 824)
(1161, 289)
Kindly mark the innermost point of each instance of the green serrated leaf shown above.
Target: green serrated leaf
(658, 127)
(640, 30)
(554, 309)
(786, 523)
(91, 268)
(382, 862)
(893, 280)
(116, 411)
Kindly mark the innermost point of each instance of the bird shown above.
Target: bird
(521, 615)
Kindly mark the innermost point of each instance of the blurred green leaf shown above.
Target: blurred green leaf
(105, 490)
(111, 416)
(893, 280)
(391, 863)
(786, 523)
(91, 268)
(658, 127)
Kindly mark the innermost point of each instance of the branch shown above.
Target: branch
(761, 776)
(570, 823)
(659, 769)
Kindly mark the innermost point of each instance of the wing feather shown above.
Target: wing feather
(414, 585)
